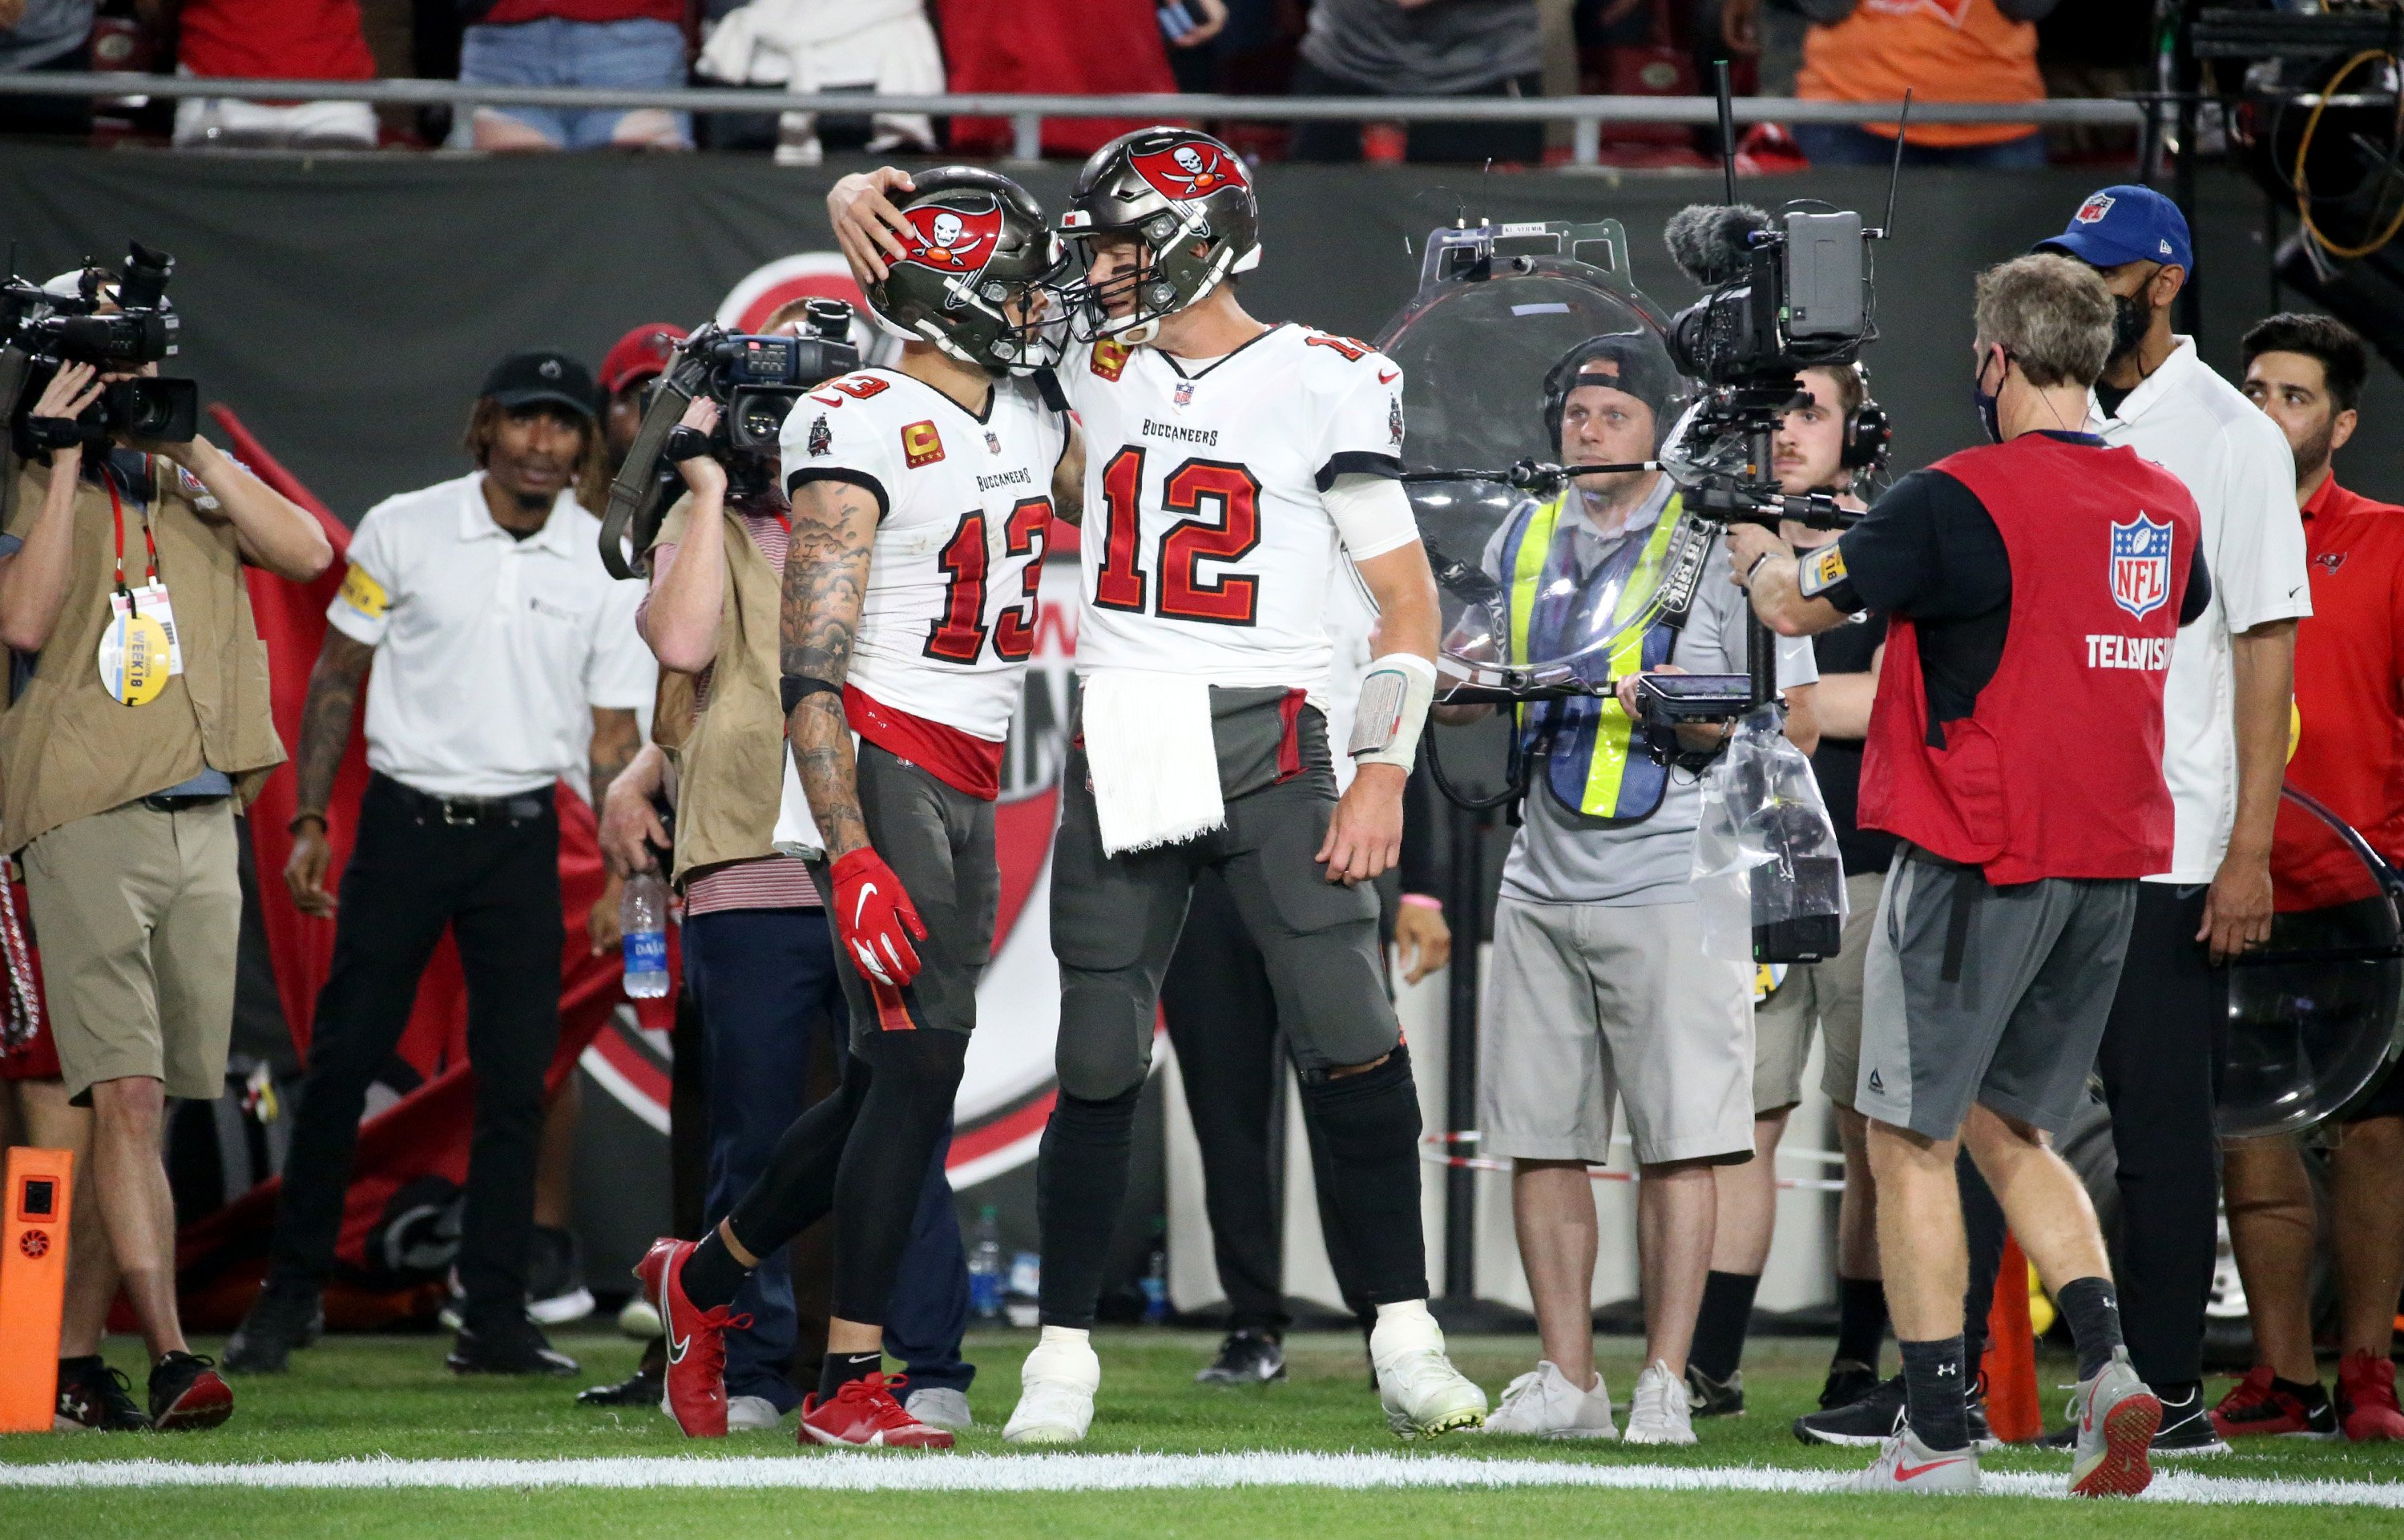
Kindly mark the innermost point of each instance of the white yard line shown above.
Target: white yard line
(1071, 1473)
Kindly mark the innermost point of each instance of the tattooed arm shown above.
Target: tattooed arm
(826, 573)
(1069, 480)
(325, 734)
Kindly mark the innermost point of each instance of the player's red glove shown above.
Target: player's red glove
(876, 918)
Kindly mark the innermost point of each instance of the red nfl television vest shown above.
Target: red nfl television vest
(2058, 770)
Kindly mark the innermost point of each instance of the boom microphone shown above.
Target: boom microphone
(1709, 242)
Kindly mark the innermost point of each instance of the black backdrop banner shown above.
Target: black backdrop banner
(348, 307)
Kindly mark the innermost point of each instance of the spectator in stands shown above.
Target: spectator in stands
(1874, 50)
(1068, 47)
(871, 47)
(636, 44)
(125, 780)
(46, 35)
(273, 40)
(1422, 48)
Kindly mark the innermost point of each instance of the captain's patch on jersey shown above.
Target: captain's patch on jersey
(1108, 359)
(363, 593)
(1822, 570)
(821, 438)
(921, 444)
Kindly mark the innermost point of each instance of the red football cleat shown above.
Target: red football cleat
(864, 1414)
(696, 1340)
(2366, 1398)
(2255, 1406)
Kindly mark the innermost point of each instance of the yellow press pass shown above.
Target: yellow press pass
(363, 593)
(136, 659)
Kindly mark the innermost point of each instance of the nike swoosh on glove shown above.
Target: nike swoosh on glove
(875, 919)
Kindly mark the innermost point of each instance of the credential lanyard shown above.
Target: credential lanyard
(116, 512)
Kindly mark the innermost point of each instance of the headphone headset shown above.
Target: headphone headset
(1869, 434)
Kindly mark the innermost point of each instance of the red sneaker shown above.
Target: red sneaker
(2256, 1405)
(2366, 1398)
(865, 1414)
(696, 1340)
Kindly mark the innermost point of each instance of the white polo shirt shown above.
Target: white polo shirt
(2237, 466)
(490, 651)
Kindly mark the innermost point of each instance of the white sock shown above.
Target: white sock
(1404, 1326)
(1076, 1336)
(1405, 1310)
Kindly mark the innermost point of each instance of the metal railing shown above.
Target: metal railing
(1584, 114)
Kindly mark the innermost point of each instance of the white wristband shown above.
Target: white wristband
(1395, 694)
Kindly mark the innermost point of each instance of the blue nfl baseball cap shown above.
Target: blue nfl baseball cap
(2125, 224)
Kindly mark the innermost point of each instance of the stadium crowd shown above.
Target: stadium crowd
(1241, 844)
(1998, 51)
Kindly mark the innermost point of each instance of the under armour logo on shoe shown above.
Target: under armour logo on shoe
(1876, 1085)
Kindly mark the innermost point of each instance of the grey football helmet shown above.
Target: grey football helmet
(1187, 199)
(977, 243)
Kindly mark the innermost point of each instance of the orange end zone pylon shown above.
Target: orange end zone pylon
(2013, 1412)
(33, 1209)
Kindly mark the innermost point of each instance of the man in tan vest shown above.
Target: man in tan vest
(137, 723)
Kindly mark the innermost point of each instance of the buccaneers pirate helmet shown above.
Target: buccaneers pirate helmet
(977, 244)
(1187, 200)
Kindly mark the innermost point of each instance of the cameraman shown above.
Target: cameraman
(2015, 748)
(1601, 984)
(121, 796)
(500, 647)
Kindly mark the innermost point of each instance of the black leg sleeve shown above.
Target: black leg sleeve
(1368, 1124)
(1080, 1179)
(901, 1121)
(798, 1188)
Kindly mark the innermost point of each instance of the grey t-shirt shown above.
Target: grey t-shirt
(1562, 857)
(48, 29)
(1443, 49)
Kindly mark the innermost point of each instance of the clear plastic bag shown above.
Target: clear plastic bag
(1767, 871)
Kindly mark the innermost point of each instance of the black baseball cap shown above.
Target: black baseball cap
(542, 375)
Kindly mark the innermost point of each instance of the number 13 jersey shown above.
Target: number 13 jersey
(963, 505)
(1206, 548)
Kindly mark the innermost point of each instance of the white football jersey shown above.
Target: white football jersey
(1206, 550)
(948, 620)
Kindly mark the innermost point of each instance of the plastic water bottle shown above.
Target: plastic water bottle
(643, 914)
(985, 1267)
(1156, 1278)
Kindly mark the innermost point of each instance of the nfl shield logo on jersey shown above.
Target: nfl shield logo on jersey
(993, 441)
(1184, 393)
(2141, 565)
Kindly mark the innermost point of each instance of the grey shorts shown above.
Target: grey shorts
(939, 841)
(1822, 996)
(1588, 1001)
(1115, 920)
(1974, 994)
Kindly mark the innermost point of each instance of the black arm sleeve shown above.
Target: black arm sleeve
(2199, 591)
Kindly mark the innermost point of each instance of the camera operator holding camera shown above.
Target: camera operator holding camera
(1601, 984)
(500, 648)
(121, 780)
(2016, 748)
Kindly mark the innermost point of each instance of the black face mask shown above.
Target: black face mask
(2133, 316)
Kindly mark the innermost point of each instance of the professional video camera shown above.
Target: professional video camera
(116, 328)
(755, 381)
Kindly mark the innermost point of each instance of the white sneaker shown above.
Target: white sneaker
(1423, 1394)
(1657, 1413)
(940, 1406)
(1907, 1465)
(1055, 1391)
(752, 1414)
(1543, 1403)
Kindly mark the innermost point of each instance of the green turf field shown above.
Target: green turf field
(365, 1397)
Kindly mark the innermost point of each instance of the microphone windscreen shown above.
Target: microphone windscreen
(1708, 241)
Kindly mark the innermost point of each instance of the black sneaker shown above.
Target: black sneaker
(186, 1393)
(95, 1397)
(505, 1344)
(555, 1291)
(1866, 1419)
(1849, 1380)
(645, 1387)
(2187, 1431)
(282, 1320)
(1246, 1358)
(1709, 1398)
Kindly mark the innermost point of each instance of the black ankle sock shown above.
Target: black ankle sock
(712, 1277)
(1861, 1319)
(2313, 1395)
(842, 1368)
(2092, 1308)
(1720, 1325)
(1936, 1390)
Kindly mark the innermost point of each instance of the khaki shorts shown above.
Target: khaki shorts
(138, 913)
(1590, 1001)
(1826, 995)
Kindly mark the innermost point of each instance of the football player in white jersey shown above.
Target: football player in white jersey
(1230, 465)
(921, 499)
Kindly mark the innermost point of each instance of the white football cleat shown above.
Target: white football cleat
(1055, 1391)
(1423, 1394)
(1543, 1404)
(1659, 1413)
(940, 1406)
(752, 1414)
(1907, 1465)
